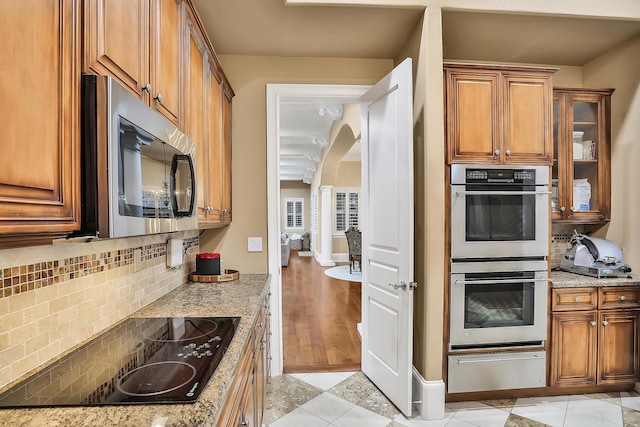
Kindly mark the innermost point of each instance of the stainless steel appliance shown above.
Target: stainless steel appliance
(496, 371)
(594, 257)
(499, 211)
(137, 167)
(498, 304)
(139, 361)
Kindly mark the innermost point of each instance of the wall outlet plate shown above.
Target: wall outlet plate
(254, 244)
(137, 259)
(174, 253)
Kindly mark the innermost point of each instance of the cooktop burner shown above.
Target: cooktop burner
(141, 360)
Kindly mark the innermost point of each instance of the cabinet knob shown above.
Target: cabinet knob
(562, 209)
(605, 323)
(147, 88)
(497, 152)
(508, 152)
(158, 98)
(593, 323)
(622, 298)
(576, 299)
(571, 209)
(244, 423)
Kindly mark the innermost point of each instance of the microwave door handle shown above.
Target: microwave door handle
(497, 281)
(503, 193)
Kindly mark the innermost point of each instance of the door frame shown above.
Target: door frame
(347, 94)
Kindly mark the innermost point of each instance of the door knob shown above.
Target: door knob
(403, 285)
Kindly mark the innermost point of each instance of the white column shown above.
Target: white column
(326, 226)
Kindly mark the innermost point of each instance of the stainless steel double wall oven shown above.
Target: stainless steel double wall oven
(499, 277)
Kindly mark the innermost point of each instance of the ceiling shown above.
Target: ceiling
(269, 28)
(304, 132)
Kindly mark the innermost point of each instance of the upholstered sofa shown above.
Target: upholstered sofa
(285, 249)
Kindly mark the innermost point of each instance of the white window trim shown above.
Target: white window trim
(347, 190)
(294, 200)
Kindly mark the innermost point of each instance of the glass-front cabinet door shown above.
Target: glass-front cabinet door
(581, 171)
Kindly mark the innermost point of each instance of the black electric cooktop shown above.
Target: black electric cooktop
(141, 360)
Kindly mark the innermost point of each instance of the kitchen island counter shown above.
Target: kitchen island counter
(239, 298)
(564, 279)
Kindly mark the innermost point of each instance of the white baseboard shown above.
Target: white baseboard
(326, 263)
(340, 257)
(428, 397)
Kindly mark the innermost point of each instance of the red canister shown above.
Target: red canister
(208, 263)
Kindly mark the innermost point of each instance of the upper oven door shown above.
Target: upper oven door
(498, 303)
(499, 220)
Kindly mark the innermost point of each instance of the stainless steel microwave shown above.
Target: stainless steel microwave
(138, 170)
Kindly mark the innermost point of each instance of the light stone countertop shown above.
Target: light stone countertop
(235, 298)
(564, 279)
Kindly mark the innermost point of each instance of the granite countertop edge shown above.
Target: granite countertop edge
(565, 279)
(238, 298)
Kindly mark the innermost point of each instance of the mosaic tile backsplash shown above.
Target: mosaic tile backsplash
(16, 280)
(560, 237)
(52, 298)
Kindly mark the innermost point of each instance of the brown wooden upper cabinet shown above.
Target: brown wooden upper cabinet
(138, 42)
(226, 156)
(39, 165)
(498, 114)
(208, 98)
(581, 172)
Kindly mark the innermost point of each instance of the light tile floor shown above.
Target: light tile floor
(349, 399)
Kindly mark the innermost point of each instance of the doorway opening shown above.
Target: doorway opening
(276, 96)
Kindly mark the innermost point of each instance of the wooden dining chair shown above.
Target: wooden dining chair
(354, 241)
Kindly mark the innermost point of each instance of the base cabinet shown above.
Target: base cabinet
(594, 347)
(244, 406)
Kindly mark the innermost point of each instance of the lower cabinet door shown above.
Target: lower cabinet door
(573, 349)
(618, 349)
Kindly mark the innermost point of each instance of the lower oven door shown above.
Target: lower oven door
(498, 304)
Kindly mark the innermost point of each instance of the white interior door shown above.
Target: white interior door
(387, 235)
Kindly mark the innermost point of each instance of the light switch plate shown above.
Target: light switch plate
(254, 244)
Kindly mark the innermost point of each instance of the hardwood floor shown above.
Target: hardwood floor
(319, 319)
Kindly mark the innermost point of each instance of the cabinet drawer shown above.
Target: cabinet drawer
(572, 299)
(619, 297)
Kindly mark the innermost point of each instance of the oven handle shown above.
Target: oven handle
(497, 359)
(497, 281)
(503, 193)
